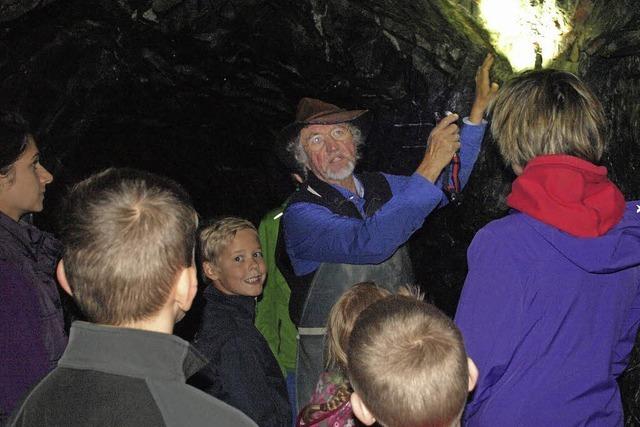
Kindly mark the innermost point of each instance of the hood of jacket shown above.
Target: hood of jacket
(572, 204)
(616, 250)
(568, 193)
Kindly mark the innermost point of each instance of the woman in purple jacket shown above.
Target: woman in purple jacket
(551, 304)
(32, 336)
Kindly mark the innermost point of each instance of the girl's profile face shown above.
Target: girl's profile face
(22, 188)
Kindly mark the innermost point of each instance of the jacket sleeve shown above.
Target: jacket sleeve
(314, 233)
(249, 387)
(471, 136)
(490, 312)
(23, 357)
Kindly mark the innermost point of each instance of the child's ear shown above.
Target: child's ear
(62, 278)
(210, 270)
(473, 374)
(186, 288)
(360, 410)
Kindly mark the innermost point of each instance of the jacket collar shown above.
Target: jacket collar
(37, 244)
(26, 234)
(130, 352)
(244, 305)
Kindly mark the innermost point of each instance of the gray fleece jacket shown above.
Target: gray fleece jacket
(112, 376)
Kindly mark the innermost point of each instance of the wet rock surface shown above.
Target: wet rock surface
(198, 90)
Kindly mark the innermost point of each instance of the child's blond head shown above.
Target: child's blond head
(232, 258)
(342, 317)
(127, 235)
(407, 364)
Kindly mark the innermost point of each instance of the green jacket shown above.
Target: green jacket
(272, 311)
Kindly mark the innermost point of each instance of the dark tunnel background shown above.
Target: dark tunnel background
(198, 89)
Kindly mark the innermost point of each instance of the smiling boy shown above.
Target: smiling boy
(242, 371)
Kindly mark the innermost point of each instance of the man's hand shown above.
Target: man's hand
(443, 142)
(485, 90)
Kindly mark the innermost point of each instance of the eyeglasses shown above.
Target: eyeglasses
(338, 133)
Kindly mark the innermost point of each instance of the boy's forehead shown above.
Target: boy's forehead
(241, 237)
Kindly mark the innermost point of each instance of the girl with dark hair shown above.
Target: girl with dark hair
(32, 336)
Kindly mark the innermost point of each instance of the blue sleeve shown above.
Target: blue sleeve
(314, 233)
(471, 136)
(489, 312)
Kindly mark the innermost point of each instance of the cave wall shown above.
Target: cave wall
(198, 90)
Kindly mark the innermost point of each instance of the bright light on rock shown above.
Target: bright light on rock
(523, 28)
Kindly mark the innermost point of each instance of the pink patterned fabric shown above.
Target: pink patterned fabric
(334, 388)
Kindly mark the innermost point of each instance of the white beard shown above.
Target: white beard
(342, 173)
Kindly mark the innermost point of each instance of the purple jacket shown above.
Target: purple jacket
(32, 336)
(550, 320)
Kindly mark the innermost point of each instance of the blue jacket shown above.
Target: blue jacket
(313, 234)
(242, 371)
(550, 320)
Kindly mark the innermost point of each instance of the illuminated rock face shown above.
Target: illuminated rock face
(526, 31)
(197, 90)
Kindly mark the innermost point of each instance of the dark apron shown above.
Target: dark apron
(328, 284)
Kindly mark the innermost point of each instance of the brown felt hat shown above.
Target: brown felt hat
(315, 112)
(312, 111)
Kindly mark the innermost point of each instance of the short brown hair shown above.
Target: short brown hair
(215, 234)
(408, 364)
(127, 235)
(547, 112)
(343, 316)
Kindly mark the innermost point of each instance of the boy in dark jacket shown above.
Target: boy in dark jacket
(243, 371)
(129, 240)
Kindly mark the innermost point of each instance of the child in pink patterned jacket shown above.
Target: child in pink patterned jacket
(330, 405)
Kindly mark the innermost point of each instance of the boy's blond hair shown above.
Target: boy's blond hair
(408, 364)
(127, 235)
(547, 112)
(217, 233)
(343, 316)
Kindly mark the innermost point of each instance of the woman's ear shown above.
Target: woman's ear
(360, 410)
(517, 169)
(62, 278)
(473, 374)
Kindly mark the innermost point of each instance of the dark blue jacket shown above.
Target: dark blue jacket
(242, 370)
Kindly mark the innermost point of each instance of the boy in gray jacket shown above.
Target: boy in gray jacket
(129, 241)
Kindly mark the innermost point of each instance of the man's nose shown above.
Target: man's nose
(331, 144)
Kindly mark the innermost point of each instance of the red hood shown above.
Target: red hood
(568, 193)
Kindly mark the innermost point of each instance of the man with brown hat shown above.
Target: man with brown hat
(340, 229)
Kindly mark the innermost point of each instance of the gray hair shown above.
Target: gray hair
(297, 150)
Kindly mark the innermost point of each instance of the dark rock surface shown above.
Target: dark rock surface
(198, 89)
